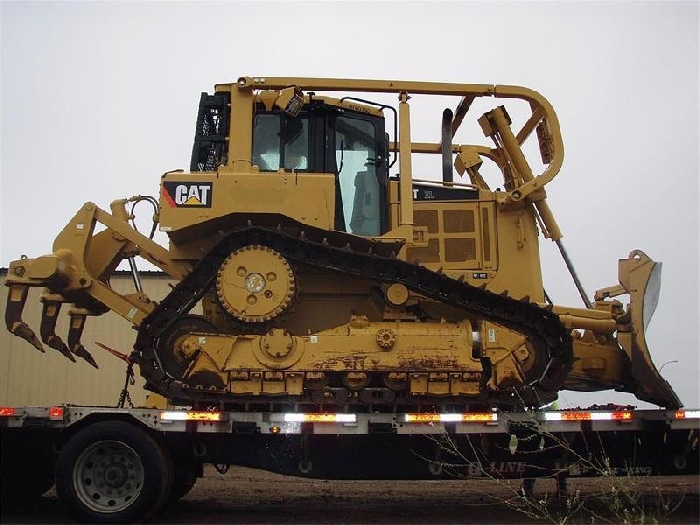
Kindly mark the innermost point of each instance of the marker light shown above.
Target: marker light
(182, 415)
(474, 417)
(56, 413)
(588, 416)
(687, 414)
(7, 411)
(320, 418)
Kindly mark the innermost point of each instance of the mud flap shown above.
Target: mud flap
(641, 276)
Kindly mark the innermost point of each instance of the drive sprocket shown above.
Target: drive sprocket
(255, 284)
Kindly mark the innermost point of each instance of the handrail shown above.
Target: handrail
(538, 104)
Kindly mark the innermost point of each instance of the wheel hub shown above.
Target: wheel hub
(108, 476)
(255, 283)
(115, 475)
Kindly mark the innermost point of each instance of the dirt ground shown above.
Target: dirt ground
(249, 496)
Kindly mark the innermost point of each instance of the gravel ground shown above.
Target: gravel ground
(250, 496)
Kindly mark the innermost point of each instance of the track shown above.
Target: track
(351, 255)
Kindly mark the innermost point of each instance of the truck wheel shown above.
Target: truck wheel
(113, 472)
(27, 465)
(22, 486)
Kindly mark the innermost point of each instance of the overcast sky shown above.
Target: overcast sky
(99, 99)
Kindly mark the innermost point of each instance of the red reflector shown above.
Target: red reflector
(56, 413)
(575, 416)
(621, 416)
(480, 417)
(7, 411)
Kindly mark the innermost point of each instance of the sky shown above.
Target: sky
(98, 99)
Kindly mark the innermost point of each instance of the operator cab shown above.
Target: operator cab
(340, 137)
(328, 138)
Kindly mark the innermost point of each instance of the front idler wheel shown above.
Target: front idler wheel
(173, 360)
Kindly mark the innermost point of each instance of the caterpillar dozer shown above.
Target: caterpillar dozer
(309, 268)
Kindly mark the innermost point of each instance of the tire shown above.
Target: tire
(27, 465)
(113, 472)
(25, 486)
(183, 482)
(186, 470)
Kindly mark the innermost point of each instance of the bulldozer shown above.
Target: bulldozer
(310, 267)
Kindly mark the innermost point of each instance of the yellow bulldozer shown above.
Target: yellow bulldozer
(323, 273)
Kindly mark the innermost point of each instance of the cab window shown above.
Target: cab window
(280, 142)
(356, 160)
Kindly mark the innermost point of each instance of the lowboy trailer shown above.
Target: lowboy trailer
(114, 465)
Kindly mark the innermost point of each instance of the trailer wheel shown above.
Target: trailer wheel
(186, 470)
(113, 472)
(185, 479)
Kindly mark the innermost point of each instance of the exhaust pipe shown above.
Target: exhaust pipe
(447, 174)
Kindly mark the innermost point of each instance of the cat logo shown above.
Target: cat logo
(188, 194)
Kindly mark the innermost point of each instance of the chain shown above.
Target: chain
(124, 396)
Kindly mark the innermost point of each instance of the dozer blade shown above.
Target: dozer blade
(642, 277)
(16, 298)
(75, 332)
(49, 315)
